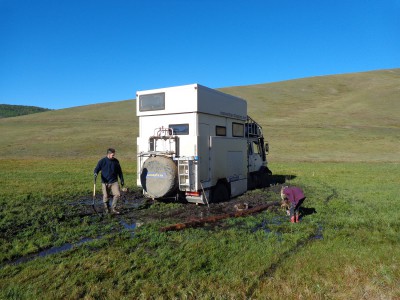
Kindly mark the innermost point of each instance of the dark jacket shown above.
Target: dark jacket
(110, 170)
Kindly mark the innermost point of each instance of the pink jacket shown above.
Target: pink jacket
(294, 194)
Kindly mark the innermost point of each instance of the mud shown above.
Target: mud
(135, 208)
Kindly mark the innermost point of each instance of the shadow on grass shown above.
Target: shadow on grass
(278, 179)
(306, 211)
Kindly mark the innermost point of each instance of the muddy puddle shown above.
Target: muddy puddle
(134, 207)
(268, 226)
(130, 225)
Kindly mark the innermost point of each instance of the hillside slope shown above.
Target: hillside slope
(77, 132)
(350, 117)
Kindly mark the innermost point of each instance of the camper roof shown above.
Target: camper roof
(188, 99)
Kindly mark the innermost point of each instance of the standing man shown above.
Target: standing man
(292, 197)
(110, 171)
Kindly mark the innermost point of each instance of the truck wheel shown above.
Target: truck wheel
(263, 176)
(256, 178)
(159, 176)
(220, 193)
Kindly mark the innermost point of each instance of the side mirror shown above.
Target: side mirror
(266, 148)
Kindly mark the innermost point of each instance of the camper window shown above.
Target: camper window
(237, 130)
(152, 102)
(256, 148)
(220, 130)
(179, 129)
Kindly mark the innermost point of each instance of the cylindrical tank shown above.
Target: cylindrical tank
(159, 176)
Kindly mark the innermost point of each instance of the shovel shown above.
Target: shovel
(94, 197)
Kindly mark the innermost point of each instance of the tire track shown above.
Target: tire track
(270, 271)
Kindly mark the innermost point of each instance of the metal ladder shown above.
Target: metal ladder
(187, 175)
(253, 129)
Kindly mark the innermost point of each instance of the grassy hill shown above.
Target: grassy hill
(82, 131)
(336, 136)
(7, 110)
(350, 117)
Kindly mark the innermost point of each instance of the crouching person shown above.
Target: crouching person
(110, 171)
(292, 199)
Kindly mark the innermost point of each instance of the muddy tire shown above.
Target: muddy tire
(254, 180)
(220, 193)
(263, 177)
(159, 176)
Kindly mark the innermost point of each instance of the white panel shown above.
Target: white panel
(224, 167)
(204, 152)
(196, 98)
(234, 162)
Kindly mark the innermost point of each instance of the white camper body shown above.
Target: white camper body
(197, 143)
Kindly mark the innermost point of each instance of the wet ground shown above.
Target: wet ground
(135, 208)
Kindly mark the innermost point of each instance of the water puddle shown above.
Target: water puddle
(130, 226)
(127, 226)
(265, 226)
(68, 246)
(63, 248)
(49, 251)
(319, 234)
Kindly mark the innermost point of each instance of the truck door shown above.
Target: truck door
(255, 159)
(203, 152)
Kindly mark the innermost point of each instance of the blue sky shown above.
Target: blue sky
(60, 54)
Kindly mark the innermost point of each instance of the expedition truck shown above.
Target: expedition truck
(198, 144)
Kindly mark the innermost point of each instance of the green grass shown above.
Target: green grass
(239, 261)
(35, 203)
(358, 257)
(338, 138)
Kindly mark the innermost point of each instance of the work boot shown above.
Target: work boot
(297, 219)
(106, 208)
(115, 211)
(114, 206)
